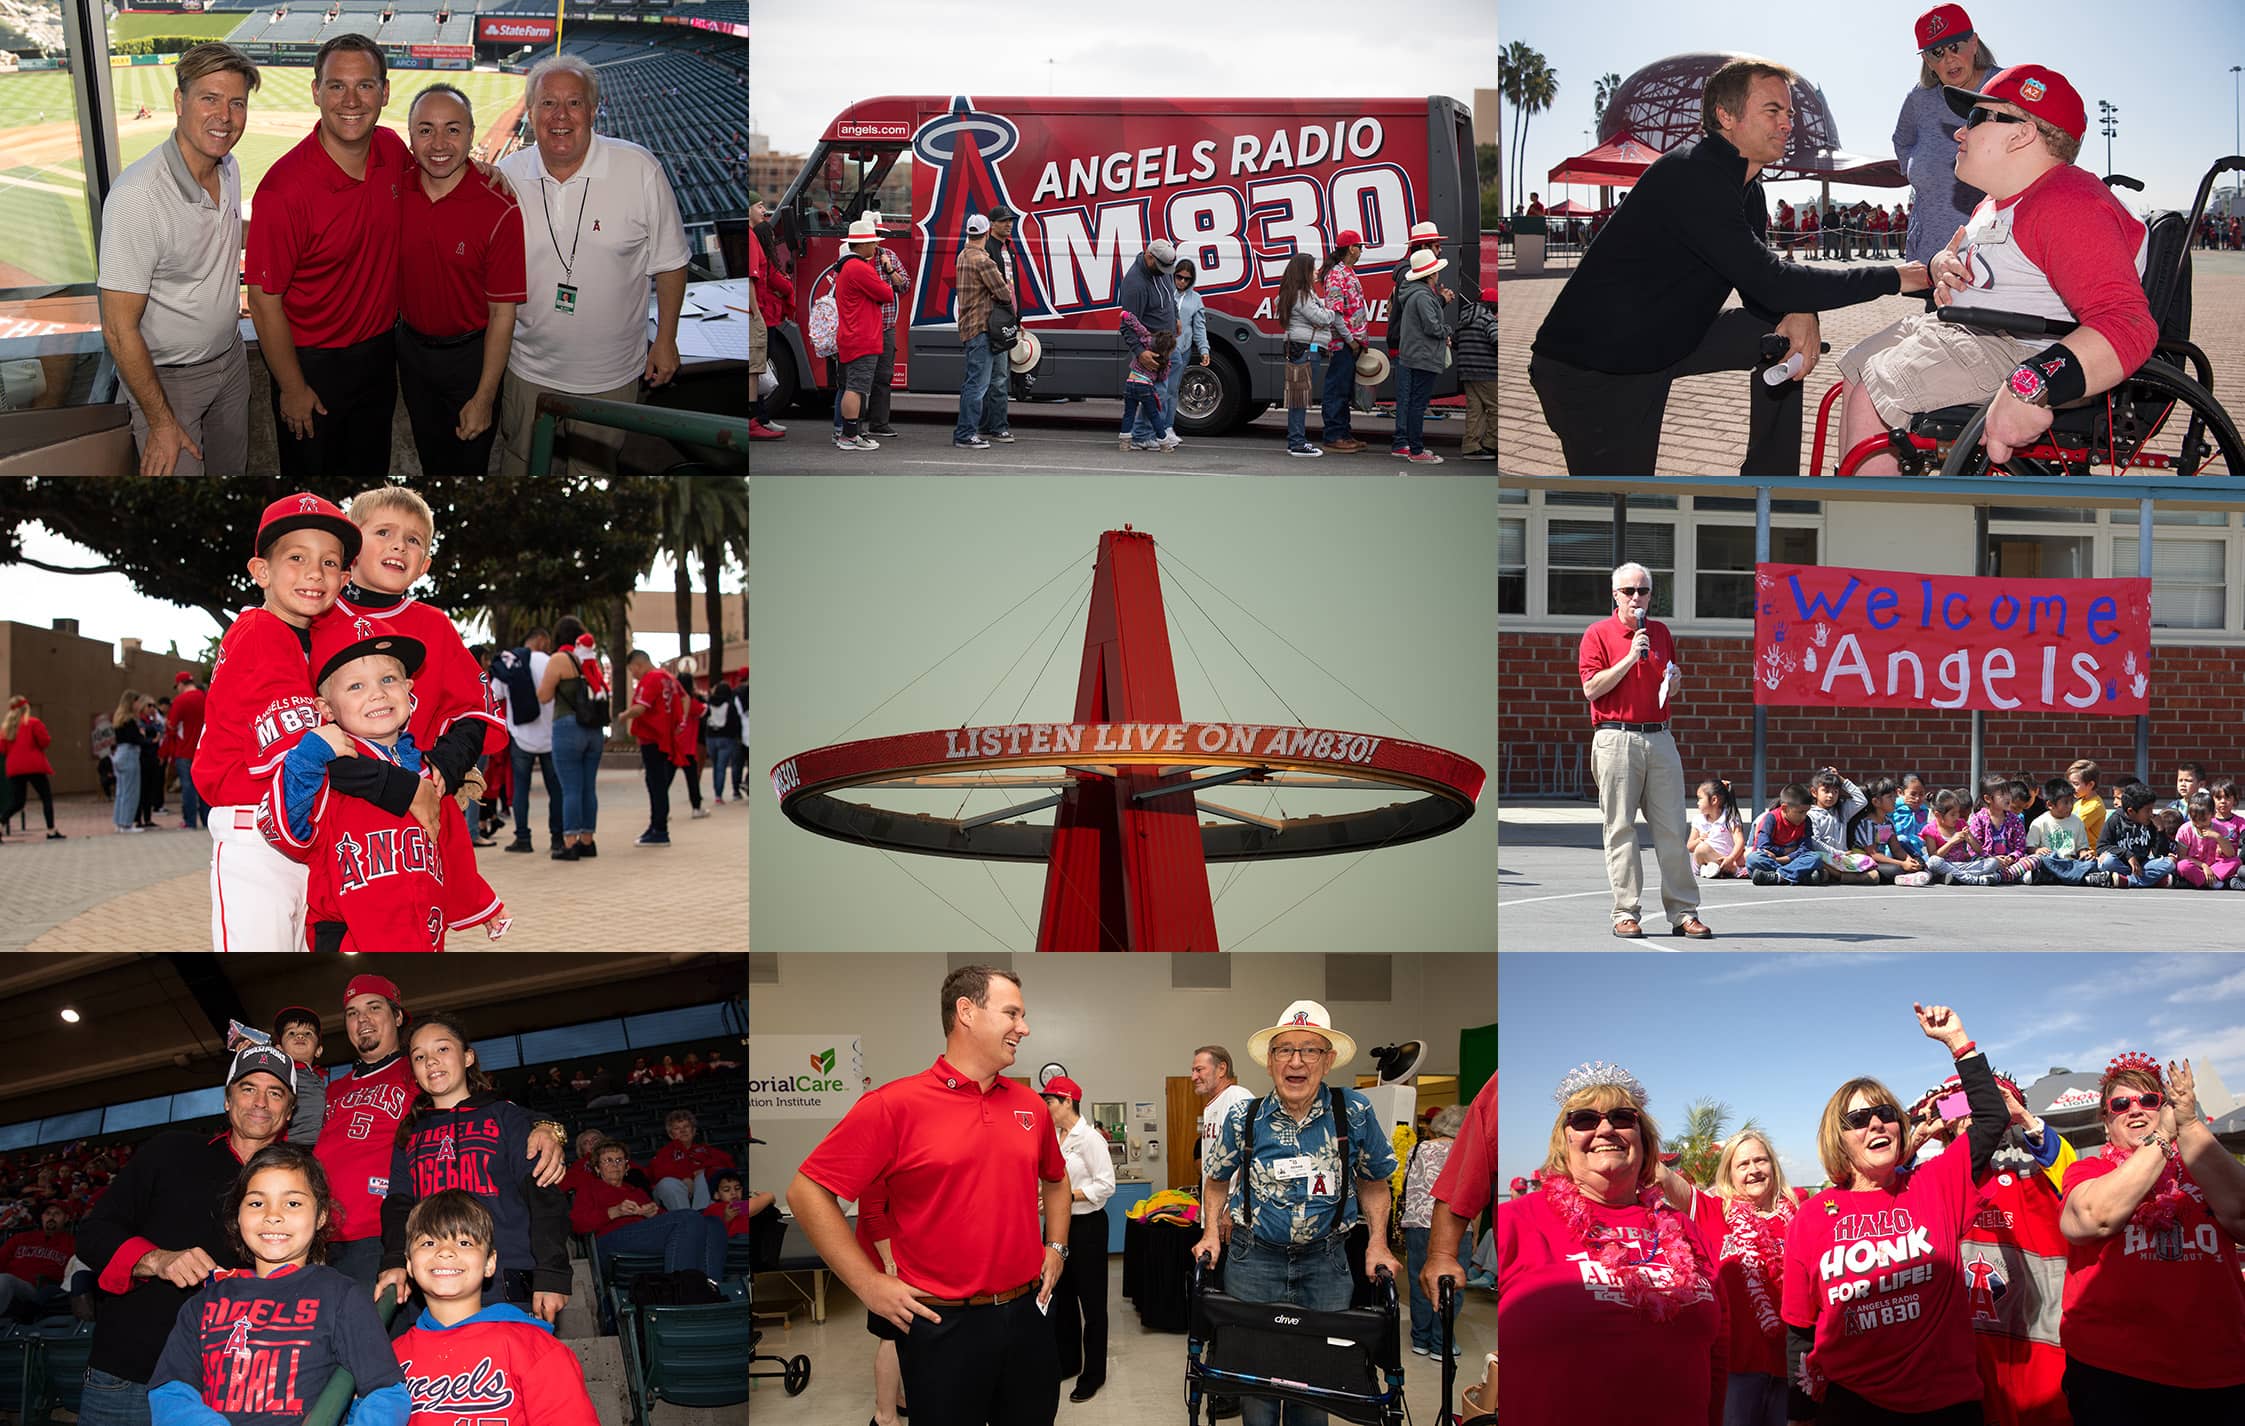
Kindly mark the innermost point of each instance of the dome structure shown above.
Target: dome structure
(1659, 106)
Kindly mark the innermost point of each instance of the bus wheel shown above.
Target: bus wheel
(1212, 398)
(783, 371)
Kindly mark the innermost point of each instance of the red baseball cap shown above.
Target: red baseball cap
(1942, 24)
(2038, 89)
(304, 511)
(372, 985)
(1064, 1087)
(337, 638)
(181, 677)
(1347, 238)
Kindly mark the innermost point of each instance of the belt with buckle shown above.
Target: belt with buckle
(984, 1299)
(1637, 727)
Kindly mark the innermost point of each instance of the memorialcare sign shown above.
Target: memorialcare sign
(804, 1076)
(1868, 638)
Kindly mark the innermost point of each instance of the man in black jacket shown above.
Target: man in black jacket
(1646, 304)
(155, 1234)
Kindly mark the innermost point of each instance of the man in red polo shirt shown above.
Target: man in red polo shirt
(657, 704)
(323, 272)
(1629, 674)
(187, 722)
(460, 278)
(963, 1152)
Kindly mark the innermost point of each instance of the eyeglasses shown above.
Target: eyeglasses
(1293, 1052)
(1863, 1118)
(2150, 1099)
(1582, 1121)
(1981, 114)
(1641, 592)
(1943, 51)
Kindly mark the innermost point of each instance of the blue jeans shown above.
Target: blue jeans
(681, 1195)
(1138, 420)
(2067, 871)
(124, 760)
(1426, 1326)
(972, 388)
(724, 753)
(1264, 1272)
(1169, 385)
(997, 394)
(1987, 867)
(1298, 417)
(193, 811)
(1754, 1399)
(2158, 871)
(112, 1401)
(1340, 385)
(686, 1240)
(1790, 869)
(576, 758)
(522, 760)
(1413, 389)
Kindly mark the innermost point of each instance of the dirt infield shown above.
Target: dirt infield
(41, 144)
(495, 133)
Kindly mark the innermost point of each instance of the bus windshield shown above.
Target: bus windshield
(837, 184)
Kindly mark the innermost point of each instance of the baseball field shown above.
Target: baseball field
(42, 177)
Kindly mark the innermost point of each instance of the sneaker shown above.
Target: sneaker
(2097, 878)
(56, 836)
(587, 851)
(2027, 875)
(1143, 446)
(1914, 878)
(1765, 878)
(867, 443)
(1705, 871)
(520, 845)
(1172, 441)
(1400, 452)
(562, 854)
(763, 431)
(1304, 451)
(699, 812)
(653, 839)
(1966, 878)
(2235, 883)
(1814, 876)
(1122, 443)
(844, 443)
(885, 432)
(1003, 438)
(1426, 458)
(975, 443)
(482, 839)
(1478, 455)
(1419, 1351)
(771, 425)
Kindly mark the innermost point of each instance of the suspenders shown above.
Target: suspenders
(1341, 1132)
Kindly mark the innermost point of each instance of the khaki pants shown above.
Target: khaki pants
(1641, 772)
(1480, 417)
(588, 449)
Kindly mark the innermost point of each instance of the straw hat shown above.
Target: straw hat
(1427, 232)
(868, 229)
(1302, 1015)
(1424, 265)
(1026, 352)
(1372, 366)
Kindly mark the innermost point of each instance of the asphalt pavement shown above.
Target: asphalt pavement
(1078, 437)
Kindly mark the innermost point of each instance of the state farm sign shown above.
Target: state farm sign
(492, 27)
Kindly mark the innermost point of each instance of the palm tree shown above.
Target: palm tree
(1513, 66)
(1607, 84)
(1699, 1145)
(703, 517)
(1539, 88)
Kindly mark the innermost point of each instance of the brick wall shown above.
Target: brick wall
(2198, 713)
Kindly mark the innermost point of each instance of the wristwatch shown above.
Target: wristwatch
(2028, 385)
(1060, 1248)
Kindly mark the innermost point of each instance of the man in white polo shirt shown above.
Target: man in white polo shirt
(171, 247)
(599, 224)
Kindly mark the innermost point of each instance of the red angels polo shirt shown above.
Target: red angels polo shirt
(457, 255)
(963, 1168)
(327, 243)
(1636, 699)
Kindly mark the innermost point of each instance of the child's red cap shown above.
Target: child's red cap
(305, 511)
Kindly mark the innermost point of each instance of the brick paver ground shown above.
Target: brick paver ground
(1705, 430)
(99, 891)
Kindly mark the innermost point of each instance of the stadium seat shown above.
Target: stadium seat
(64, 1345)
(22, 1388)
(692, 1355)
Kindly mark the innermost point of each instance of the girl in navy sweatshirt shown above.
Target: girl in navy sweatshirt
(460, 1133)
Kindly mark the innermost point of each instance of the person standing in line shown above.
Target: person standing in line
(1345, 295)
(977, 286)
(996, 425)
(1192, 344)
(884, 369)
(861, 293)
(1422, 355)
(656, 706)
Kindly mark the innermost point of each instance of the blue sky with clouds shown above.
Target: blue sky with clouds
(2165, 63)
(1774, 1035)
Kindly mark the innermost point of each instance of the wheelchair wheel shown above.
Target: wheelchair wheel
(797, 1376)
(2159, 421)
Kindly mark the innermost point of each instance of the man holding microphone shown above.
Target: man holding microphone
(964, 1152)
(1628, 666)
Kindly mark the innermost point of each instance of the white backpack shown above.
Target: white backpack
(826, 323)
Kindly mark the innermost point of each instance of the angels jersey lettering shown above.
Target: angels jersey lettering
(364, 1110)
(258, 1351)
(501, 1367)
(260, 703)
(376, 873)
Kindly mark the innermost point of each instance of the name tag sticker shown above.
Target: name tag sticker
(1294, 1168)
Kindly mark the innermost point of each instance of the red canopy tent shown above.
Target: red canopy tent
(1617, 163)
(1569, 208)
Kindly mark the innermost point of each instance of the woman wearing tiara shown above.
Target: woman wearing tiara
(2154, 1325)
(1605, 1294)
(1879, 1322)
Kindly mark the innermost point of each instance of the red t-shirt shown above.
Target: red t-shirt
(260, 703)
(660, 694)
(737, 1225)
(963, 1168)
(2164, 1305)
(38, 1255)
(326, 243)
(589, 1205)
(1750, 1300)
(1876, 1274)
(1568, 1327)
(187, 718)
(457, 255)
(1636, 699)
(495, 1370)
(27, 751)
(670, 1161)
(1468, 1179)
(363, 1112)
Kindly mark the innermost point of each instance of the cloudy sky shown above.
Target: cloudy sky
(813, 60)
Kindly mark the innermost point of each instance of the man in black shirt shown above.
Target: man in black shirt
(1646, 304)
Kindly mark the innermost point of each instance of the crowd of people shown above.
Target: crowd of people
(2220, 233)
(958, 1299)
(409, 1173)
(1840, 231)
(1964, 1262)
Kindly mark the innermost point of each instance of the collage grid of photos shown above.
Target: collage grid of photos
(1871, 593)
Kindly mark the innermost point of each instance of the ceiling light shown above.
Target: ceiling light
(69, 1016)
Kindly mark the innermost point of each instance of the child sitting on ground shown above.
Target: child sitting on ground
(1917, 805)
(1835, 803)
(2065, 850)
(1717, 841)
(2205, 855)
(2132, 852)
(1872, 833)
(2187, 778)
(2225, 809)
(2089, 802)
(1997, 833)
(1780, 849)
(1952, 855)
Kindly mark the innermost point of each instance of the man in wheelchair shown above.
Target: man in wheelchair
(2049, 241)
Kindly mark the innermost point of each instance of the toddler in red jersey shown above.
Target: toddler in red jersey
(455, 720)
(497, 1365)
(260, 704)
(728, 1207)
(257, 1345)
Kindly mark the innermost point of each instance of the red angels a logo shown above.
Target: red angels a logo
(1935, 24)
(308, 505)
(2033, 89)
(237, 1343)
(1301, 1017)
(1026, 1119)
(361, 629)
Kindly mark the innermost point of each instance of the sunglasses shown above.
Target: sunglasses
(1582, 1121)
(1943, 51)
(2150, 1099)
(1641, 592)
(1981, 114)
(1863, 1118)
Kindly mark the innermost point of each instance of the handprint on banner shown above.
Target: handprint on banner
(1821, 634)
(1778, 631)
(1771, 677)
(1763, 581)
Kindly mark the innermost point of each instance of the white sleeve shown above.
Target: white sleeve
(666, 234)
(1101, 1185)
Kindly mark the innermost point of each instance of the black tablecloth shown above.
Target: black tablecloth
(1158, 1271)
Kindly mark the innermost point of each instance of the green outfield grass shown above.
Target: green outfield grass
(209, 27)
(49, 233)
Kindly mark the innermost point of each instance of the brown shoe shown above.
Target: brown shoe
(1695, 928)
(1629, 930)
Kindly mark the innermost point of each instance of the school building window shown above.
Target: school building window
(2197, 557)
(1700, 550)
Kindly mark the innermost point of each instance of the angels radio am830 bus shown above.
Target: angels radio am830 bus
(1239, 186)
